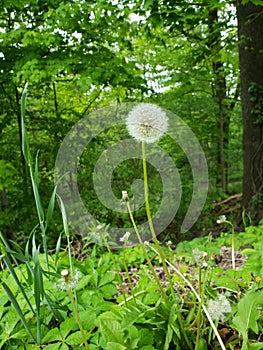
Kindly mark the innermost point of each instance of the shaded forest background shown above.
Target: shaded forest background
(78, 56)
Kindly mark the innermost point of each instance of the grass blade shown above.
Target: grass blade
(18, 310)
(51, 206)
(25, 145)
(14, 275)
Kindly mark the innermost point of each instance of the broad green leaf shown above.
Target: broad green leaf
(52, 335)
(107, 278)
(255, 346)
(108, 291)
(115, 346)
(84, 281)
(88, 319)
(55, 346)
(146, 338)
(111, 330)
(67, 326)
(247, 315)
(74, 338)
(202, 345)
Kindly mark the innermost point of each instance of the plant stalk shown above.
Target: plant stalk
(72, 299)
(149, 217)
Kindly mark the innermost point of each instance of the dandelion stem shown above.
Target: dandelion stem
(72, 299)
(149, 217)
(232, 244)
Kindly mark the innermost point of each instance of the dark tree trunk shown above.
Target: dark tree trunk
(250, 32)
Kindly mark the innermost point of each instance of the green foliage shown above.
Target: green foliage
(81, 56)
(146, 322)
(247, 316)
(78, 57)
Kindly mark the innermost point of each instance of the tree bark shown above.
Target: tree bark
(250, 27)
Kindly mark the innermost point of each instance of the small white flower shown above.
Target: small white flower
(147, 122)
(221, 219)
(125, 237)
(218, 308)
(68, 280)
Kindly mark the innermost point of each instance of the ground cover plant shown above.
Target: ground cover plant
(202, 294)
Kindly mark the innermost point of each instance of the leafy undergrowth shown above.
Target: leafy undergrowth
(202, 295)
(119, 303)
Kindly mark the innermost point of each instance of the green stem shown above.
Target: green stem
(145, 252)
(149, 217)
(70, 256)
(232, 244)
(72, 299)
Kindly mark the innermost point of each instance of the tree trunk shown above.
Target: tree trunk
(250, 26)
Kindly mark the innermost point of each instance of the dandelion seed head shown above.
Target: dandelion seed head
(218, 308)
(147, 122)
(68, 280)
(64, 273)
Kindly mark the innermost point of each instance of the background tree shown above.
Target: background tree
(250, 24)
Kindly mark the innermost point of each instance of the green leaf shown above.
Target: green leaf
(16, 279)
(67, 326)
(74, 339)
(111, 330)
(25, 145)
(51, 205)
(115, 346)
(146, 338)
(18, 310)
(64, 216)
(52, 335)
(9, 321)
(55, 346)
(53, 307)
(88, 319)
(247, 315)
(202, 345)
(108, 291)
(107, 278)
